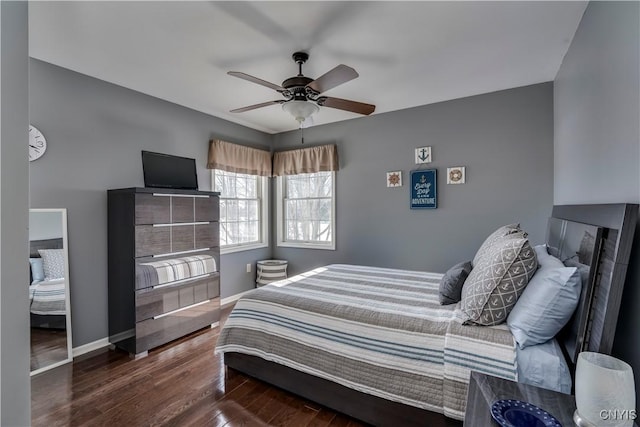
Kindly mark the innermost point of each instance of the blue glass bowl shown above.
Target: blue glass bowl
(515, 413)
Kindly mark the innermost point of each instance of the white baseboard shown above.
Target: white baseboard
(233, 298)
(86, 348)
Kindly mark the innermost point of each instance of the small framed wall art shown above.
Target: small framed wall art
(423, 155)
(424, 190)
(394, 179)
(456, 175)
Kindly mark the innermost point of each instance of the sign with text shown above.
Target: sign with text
(424, 189)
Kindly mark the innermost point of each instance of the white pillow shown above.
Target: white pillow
(546, 305)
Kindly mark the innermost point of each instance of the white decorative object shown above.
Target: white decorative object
(423, 155)
(456, 175)
(37, 143)
(394, 179)
(605, 391)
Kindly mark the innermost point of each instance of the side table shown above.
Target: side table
(485, 389)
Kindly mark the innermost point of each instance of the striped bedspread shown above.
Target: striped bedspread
(160, 272)
(48, 297)
(376, 330)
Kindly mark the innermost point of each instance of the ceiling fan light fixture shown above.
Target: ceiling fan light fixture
(300, 110)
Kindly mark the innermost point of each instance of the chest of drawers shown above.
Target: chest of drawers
(164, 258)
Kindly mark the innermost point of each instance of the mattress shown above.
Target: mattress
(376, 330)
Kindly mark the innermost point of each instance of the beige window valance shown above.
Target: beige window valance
(238, 158)
(306, 160)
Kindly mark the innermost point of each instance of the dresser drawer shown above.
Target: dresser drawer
(154, 332)
(207, 235)
(152, 302)
(182, 238)
(152, 209)
(207, 209)
(182, 209)
(152, 240)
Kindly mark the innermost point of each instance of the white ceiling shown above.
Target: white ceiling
(407, 53)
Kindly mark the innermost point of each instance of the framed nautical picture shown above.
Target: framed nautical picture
(424, 190)
(456, 175)
(394, 179)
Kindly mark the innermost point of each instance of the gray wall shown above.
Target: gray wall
(505, 140)
(95, 131)
(15, 386)
(597, 134)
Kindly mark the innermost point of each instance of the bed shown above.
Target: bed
(375, 343)
(47, 286)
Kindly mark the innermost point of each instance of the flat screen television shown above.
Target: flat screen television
(166, 171)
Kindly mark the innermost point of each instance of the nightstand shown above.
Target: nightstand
(485, 389)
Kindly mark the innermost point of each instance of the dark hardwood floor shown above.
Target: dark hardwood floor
(180, 384)
(48, 346)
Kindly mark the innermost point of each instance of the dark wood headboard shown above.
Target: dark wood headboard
(34, 245)
(616, 223)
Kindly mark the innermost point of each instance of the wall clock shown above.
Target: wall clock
(37, 143)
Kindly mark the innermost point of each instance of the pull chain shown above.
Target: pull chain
(301, 134)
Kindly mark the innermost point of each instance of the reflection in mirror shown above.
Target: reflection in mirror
(49, 306)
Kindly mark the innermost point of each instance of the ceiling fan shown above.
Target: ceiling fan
(302, 94)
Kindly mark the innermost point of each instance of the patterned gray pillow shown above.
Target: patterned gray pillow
(497, 281)
(499, 234)
(452, 282)
(53, 263)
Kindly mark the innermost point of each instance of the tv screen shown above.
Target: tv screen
(166, 171)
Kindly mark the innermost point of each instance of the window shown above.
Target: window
(243, 210)
(306, 210)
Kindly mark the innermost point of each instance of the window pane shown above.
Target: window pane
(223, 233)
(320, 186)
(223, 210)
(232, 210)
(253, 231)
(218, 181)
(307, 207)
(243, 232)
(242, 210)
(324, 210)
(240, 207)
(252, 187)
(252, 206)
(291, 230)
(232, 233)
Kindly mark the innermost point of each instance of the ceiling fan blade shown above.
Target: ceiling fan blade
(347, 105)
(253, 79)
(330, 79)
(254, 106)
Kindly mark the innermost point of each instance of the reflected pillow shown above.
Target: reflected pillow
(546, 260)
(585, 252)
(546, 305)
(53, 263)
(452, 281)
(37, 269)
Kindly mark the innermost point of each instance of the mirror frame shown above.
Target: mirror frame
(67, 291)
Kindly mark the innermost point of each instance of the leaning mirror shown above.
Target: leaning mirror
(49, 306)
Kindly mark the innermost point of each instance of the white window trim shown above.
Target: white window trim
(280, 220)
(264, 219)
